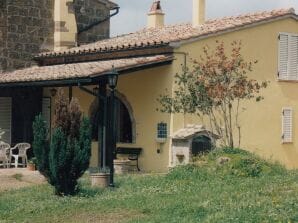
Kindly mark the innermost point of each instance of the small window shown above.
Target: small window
(287, 128)
(288, 56)
(162, 132)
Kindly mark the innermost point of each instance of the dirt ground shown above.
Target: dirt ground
(14, 178)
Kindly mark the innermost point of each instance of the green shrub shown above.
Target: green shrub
(69, 152)
(247, 167)
(41, 146)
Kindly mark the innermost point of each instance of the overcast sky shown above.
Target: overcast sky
(133, 13)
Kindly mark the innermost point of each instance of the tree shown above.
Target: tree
(69, 152)
(214, 89)
(41, 146)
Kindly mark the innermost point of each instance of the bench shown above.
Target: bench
(133, 154)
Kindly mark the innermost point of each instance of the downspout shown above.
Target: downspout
(100, 21)
(185, 64)
(184, 54)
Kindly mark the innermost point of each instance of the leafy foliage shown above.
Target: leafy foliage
(215, 86)
(70, 148)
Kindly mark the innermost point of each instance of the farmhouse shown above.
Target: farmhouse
(147, 62)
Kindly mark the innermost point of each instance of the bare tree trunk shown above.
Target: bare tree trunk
(237, 123)
(230, 127)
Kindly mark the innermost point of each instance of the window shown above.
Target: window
(162, 132)
(287, 116)
(5, 119)
(288, 56)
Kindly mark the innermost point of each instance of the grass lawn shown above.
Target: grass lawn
(246, 189)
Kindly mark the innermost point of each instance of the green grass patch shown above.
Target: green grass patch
(245, 189)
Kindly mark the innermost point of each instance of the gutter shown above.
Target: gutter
(80, 82)
(179, 43)
(48, 83)
(100, 21)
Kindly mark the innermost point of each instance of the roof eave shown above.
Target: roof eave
(89, 80)
(177, 44)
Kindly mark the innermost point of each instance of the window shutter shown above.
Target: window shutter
(293, 58)
(5, 119)
(283, 56)
(46, 111)
(287, 120)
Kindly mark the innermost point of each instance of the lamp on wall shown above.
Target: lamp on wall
(53, 92)
(113, 78)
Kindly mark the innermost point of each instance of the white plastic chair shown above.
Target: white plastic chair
(22, 147)
(4, 154)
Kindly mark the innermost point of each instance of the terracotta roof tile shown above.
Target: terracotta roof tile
(174, 33)
(77, 70)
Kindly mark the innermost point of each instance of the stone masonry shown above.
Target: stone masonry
(27, 28)
(87, 12)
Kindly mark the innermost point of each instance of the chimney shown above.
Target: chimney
(198, 7)
(65, 35)
(156, 17)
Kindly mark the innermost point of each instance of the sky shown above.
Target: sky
(133, 13)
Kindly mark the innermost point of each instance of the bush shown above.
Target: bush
(41, 146)
(247, 167)
(69, 152)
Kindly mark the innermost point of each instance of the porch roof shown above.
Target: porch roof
(74, 72)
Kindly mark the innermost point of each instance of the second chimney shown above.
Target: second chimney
(156, 16)
(65, 35)
(199, 7)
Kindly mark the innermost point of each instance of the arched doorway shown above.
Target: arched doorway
(125, 124)
(201, 144)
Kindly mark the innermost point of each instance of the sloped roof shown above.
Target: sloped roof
(78, 70)
(176, 33)
(190, 131)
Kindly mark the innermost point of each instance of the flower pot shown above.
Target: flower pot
(31, 167)
(100, 180)
(122, 166)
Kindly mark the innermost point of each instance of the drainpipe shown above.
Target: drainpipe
(185, 64)
(100, 21)
(185, 57)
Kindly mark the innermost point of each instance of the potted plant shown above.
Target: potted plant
(100, 177)
(31, 165)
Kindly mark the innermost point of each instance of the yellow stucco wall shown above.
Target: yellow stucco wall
(261, 123)
(141, 89)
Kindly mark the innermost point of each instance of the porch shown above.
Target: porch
(32, 91)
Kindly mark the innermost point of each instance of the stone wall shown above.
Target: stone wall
(27, 28)
(88, 12)
(3, 35)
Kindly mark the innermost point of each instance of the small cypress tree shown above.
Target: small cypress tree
(41, 146)
(70, 148)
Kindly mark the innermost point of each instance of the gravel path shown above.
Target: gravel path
(15, 178)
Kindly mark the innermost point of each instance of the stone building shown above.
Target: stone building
(27, 27)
